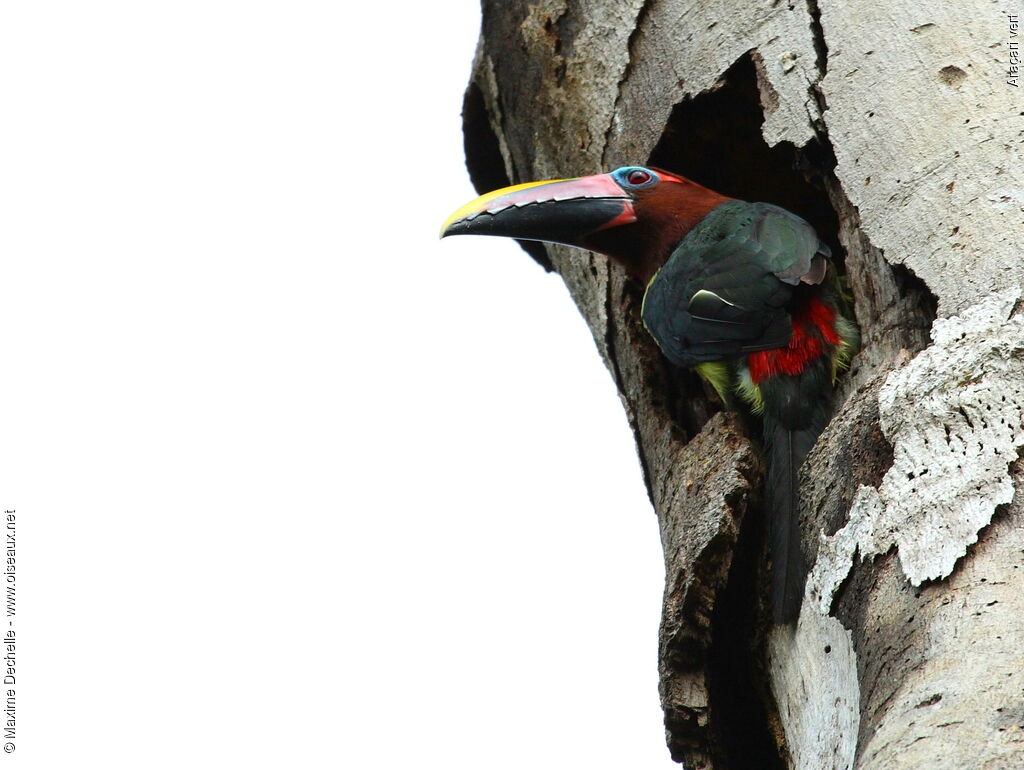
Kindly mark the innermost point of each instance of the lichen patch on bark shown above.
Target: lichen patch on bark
(955, 417)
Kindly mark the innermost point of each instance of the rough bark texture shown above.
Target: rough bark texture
(892, 128)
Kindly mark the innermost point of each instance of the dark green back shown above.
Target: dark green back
(724, 290)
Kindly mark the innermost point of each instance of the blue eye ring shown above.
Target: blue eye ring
(635, 177)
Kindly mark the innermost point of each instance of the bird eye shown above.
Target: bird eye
(638, 177)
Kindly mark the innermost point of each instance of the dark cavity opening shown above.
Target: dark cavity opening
(739, 695)
(916, 291)
(715, 139)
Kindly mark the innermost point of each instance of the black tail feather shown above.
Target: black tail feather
(796, 409)
(787, 450)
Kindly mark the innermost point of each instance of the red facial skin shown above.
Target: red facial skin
(664, 214)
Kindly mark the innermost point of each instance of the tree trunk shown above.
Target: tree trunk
(896, 129)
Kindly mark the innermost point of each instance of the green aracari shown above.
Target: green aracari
(743, 292)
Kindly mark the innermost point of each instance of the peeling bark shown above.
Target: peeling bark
(892, 130)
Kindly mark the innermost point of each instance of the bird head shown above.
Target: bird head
(635, 214)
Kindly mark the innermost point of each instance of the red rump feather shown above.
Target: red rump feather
(813, 332)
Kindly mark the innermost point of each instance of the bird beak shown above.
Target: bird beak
(557, 211)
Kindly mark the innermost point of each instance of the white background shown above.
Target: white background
(297, 484)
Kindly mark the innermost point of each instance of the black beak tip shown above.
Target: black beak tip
(458, 227)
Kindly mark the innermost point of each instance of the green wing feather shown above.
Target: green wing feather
(723, 291)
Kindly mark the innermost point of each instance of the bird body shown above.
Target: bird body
(743, 292)
(737, 270)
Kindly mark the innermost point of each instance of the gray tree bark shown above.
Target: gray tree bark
(898, 131)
